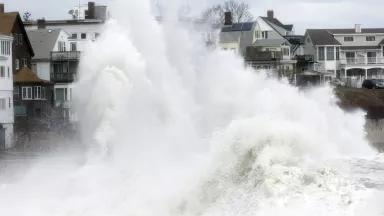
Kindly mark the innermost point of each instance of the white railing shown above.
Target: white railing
(319, 67)
(362, 61)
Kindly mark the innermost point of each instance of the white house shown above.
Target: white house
(6, 93)
(263, 43)
(82, 28)
(347, 53)
(67, 39)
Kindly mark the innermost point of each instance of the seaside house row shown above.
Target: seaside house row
(265, 43)
(58, 45)
(347, 53)
(27, 104)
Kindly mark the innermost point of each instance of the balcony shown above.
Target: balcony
(63, 77)
(365, 61)
(65, 56)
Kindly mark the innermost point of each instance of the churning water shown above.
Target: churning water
(175, 129)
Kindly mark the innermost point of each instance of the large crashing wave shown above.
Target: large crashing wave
(175, 129)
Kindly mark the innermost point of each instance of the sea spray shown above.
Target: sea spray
(176, 129)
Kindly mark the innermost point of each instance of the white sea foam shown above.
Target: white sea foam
(175, 129)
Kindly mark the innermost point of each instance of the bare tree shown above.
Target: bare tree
(238, 8)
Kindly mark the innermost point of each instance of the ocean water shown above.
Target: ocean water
(172, 128)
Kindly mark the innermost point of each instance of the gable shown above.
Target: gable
(10, 22)
(43, 42)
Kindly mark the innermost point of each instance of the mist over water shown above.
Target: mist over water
(175, 129)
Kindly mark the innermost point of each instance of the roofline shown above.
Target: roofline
(6, 37)
(263, 18)
(18, 18)
(67, 22)
(339, 34)
(293, 26)
(309, 35)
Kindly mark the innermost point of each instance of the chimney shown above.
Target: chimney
(270, 14)
(41, 24)
(2, 8)
(91, 12)
(228, 18)
(357, 28)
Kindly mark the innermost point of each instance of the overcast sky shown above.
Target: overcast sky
(302, 13)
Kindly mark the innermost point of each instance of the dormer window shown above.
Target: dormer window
(370, 38)
(348, 39)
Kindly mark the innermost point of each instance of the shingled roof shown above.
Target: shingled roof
(244, 26)
(322, 37)
(278, 23)
(25, 75)
(8, 21)
(43, 41)
(353, 31)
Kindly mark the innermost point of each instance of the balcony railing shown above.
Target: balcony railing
(65, 56)
(362, 61)
(63, 77)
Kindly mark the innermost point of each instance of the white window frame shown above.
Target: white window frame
(353, 39)
(37, 92)
(24, 62)
(370, 38)
(28, 93)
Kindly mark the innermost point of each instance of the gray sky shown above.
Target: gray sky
(303, 13)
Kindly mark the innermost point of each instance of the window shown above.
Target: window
(264, 34)
(370, 38)
(27, 93)
(371, 57)
(3, 103)
(62, 47)
(24, 62)
(17, 64)
(97, 35)
(43, 93)
(330, 53)
(83, 36)
(350, 57)
(285, 51)
(5, 47)
(74, 36)
(257, 34)
(321, 54)
(9, 102)
(337, 53)
(348, 38)
(73, 46)
(61, 94)
(2, 71)
(36, 92)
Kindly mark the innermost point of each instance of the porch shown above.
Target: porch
(354, 77)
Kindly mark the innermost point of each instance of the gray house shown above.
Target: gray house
(355, 53)
(263, 43)
(56, 59)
